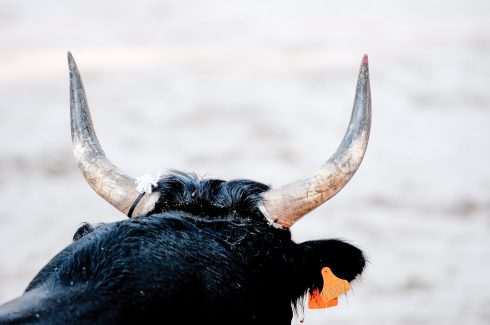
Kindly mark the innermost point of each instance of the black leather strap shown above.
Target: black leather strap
(135, 203)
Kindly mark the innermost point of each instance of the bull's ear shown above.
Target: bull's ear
(344, 260)
(85, 229)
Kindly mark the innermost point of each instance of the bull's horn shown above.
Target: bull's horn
(289, 203)
(107, 180)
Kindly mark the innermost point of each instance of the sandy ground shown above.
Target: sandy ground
(263, 90)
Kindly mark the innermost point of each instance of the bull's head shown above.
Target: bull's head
(197, 250)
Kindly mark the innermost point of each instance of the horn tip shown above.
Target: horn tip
(365, 60)
(71, 61)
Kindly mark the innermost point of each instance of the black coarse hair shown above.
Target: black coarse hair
(209, 198)
(205, 245)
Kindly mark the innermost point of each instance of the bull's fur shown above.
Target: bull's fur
(205, 254)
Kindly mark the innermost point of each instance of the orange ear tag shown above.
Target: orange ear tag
(332, 288)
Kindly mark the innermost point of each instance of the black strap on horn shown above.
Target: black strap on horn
(135, 203)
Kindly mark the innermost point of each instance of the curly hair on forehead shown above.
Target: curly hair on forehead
(209, 198)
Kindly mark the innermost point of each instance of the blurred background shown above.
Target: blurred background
(263, 90)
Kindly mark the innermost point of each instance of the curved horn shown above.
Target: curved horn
(106, 179)
(289, 203)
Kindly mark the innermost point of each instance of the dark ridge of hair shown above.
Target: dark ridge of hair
(209, 198)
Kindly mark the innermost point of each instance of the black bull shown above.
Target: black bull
(206, 251)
